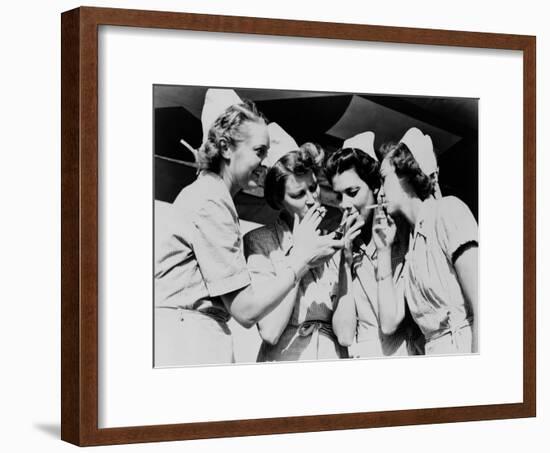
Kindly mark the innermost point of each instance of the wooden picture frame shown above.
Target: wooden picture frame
(79, 165)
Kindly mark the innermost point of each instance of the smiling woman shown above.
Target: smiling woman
(201, 278)
(107, 75)
(232, 137)
(285, 193)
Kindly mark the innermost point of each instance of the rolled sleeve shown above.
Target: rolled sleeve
(456, 226)
(217, 248)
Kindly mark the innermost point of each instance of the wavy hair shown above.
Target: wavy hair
(402, 160)
(364, 165)
(308, 157)
(228, 128)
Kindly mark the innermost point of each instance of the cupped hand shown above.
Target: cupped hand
(351, 224)
(310, 247)
(383, 230)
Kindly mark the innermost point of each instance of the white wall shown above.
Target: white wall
(30, 228)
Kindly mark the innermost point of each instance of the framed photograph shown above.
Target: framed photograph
(274, 226)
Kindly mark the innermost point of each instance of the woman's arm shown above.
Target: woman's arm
(261, 248)
(458, 236)
(272, 325)
(466, 270)
(250, 304)
(391, 307)
(344, 319)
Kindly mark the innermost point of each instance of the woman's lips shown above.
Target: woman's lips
(257, 175)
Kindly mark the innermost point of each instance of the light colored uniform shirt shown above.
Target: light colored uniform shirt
(267, 249)
(432, 288)
(200, 256)
(308, 334)
(370, 341)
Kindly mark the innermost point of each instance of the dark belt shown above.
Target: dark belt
(307, 328)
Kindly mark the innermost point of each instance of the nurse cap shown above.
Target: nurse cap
(363, 142)
(280, 143)
(422, 149)
(216, 102)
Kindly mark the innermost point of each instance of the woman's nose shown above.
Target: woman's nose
(381, 196)
(345, 203)
(310, 199)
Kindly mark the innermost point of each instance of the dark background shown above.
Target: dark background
(327, 119)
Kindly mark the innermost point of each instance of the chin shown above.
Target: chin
(366, 215)
(252, 182)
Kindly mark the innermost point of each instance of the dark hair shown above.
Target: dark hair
(299, 162)
(364, 165)
(406, 167)
(227, 127)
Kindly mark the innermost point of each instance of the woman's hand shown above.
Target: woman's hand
(383, 230)
(351, 225)
(310, 248)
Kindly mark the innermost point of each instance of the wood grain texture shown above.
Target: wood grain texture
(70, 227)
(79, 341)
(529, 227)
(307, 29)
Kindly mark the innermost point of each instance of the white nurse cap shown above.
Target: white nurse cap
(363, 142)
(422, 149)
(280, 143)
(216, 101)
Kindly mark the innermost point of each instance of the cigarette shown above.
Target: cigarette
(373, 206)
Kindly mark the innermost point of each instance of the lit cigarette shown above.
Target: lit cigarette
(373, 206)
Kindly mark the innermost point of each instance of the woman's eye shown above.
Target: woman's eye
(352, 193)
(297, 195)
(313, 187)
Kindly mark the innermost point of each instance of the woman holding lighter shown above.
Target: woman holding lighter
(353, 172)
(441, 271)
(201, 278)
(299, 328)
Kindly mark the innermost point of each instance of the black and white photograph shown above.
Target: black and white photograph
(296, 225)
(275, 226)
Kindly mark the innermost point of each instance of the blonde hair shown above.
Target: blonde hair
(228, 128)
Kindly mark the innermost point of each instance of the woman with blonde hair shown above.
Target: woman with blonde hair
(201, 278)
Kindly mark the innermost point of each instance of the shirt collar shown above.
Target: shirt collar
(366, 249)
